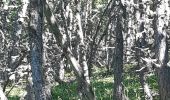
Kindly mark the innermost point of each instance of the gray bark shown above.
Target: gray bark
(118, 56)
(36, 43)
(84, 86)
(80, 72)
(118, 64)
(141, 44)
(160, 24)
(89, 95)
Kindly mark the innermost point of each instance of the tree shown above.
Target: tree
(51, 43)
(36, 46)
(141, 45)
(160, 25)
(63, 41)
(118, 56)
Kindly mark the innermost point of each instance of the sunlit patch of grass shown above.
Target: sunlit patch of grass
(103, 88)
(65, 92)
(13, 98)
(102, 84)
(132, 87)
(153, 81)
(100, 73)
(15, 93)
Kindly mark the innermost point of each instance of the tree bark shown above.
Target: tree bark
(118, 56)
(141, 44)
(85, 83)
(160, 25)
(36, 46)
(80, 72)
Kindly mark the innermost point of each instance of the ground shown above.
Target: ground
(102, 85)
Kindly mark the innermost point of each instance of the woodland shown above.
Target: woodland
(84, 50)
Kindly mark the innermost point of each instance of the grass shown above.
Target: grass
(15, 93)
(65, 92)
(13, 98)
(103, 86)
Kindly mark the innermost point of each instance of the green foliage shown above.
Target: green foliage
(102, 85)
(13, 98)
(152, 80)
(15, 93)
(103, 88)
(153, 83)
(132, 84)
(132, 87)
(65, 92)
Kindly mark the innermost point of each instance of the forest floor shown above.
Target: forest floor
(102, 84)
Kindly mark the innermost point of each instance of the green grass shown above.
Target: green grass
(103, 88)
(15, 93)
(65, 92)
(102, 84)
(13, 98)
(132, 87)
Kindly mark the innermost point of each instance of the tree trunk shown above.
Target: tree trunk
(84, 82)
(160, 25)
(118, 57)
(118, 63)
(80, 70)
(36, 46)
(141, 45)
(84, 86)
(164, 83)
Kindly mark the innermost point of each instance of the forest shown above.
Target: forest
(84, 50)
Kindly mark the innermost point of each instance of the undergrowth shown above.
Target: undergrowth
(102, 84)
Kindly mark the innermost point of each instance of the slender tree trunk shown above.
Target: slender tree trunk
(36, 46)
(85, 83)
(118, 63)
(160, 25)
(80, 70)
(141, 44)
(84, 87)
(118, 57)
